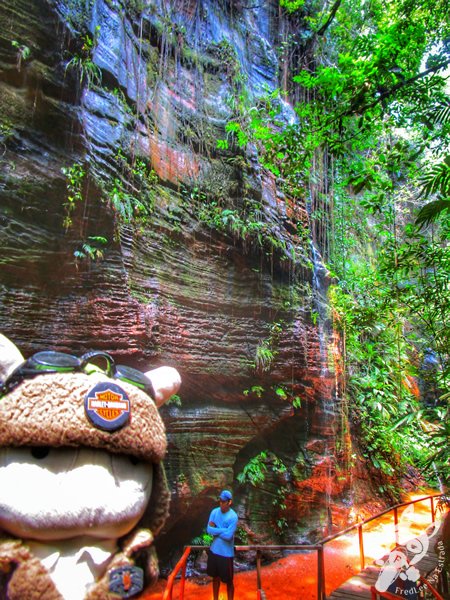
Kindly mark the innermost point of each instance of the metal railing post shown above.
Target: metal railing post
(183, 580)
(258, 572)
(320, 573)
(181, 564)
(397, 533)
(361, 547)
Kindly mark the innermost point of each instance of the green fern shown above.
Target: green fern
(436, 181)
(431, 211)
(442, 116)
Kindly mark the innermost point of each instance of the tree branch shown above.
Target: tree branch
(331, 16)
(395, 88)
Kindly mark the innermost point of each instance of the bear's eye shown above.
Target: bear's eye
(133, 460)
(40, 452)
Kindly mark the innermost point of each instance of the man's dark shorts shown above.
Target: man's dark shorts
(220, 566)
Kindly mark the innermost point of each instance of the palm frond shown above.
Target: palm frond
(431, 211)
(442, 116)
(437, 179)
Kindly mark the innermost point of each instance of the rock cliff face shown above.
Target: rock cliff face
(121, 229)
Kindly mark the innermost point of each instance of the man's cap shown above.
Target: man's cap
(225, 495)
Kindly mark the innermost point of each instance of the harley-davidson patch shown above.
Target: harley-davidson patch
(107, 406)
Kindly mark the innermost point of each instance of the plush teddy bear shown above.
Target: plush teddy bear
(82, 486)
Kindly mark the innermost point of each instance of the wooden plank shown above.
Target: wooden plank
(362, 593)
(347, 593)
(348, 596)
(356, 587)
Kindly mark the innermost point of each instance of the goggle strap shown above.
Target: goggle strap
(110, 365)
(16, 377)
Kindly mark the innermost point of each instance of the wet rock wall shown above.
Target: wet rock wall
(110, 102)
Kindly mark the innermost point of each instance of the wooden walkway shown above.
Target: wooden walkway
(358, 587)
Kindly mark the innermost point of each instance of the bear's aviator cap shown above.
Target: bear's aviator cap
(49, 410)
(85, 406)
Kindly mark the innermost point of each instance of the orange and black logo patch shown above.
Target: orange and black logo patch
(107, 406)
(126, 581)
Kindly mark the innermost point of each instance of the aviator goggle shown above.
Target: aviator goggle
(58, 362)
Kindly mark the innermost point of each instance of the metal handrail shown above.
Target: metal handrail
(180, 566)
(432, 589)
(319, 548)
(394, 508)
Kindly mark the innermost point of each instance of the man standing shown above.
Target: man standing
(222, 526)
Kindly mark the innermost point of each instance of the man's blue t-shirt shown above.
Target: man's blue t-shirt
(223, 532)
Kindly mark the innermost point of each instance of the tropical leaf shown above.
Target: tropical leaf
(431, 211)
(442, 116)
(437, 179)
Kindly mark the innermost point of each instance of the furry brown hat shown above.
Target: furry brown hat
(50, 410)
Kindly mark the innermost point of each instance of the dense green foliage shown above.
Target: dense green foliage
(381, 123)
(370, 155)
